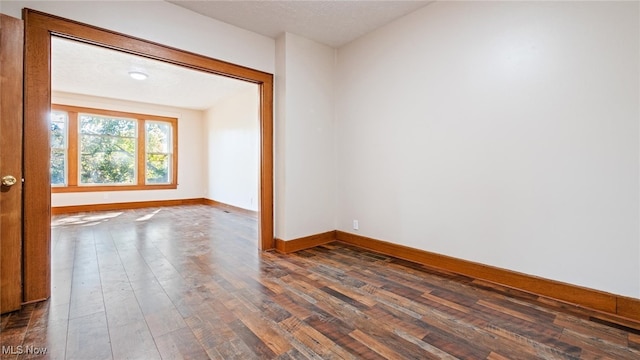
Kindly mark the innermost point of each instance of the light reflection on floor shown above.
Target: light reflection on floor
(94, 218)
(148, 216)
(85, 219)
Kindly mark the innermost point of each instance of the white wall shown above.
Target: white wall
(499, 132)
(164, 23)
(191, 174)
(232, 143)
(305, 183)
(280, 111)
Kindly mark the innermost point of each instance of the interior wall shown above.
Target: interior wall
(191, 173)
(280, 119)
(504, 133)
(232, 142)
(305, 182)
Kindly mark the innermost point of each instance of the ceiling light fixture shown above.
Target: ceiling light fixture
(138, 75)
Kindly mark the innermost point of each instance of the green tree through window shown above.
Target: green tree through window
(59, 121)
(97, 150)
(158, 152)
(107, 150)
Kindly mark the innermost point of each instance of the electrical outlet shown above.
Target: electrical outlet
(356, 226)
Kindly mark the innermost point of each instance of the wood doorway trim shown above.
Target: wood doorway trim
(39, 27)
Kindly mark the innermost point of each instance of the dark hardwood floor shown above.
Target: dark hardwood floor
(188, 282)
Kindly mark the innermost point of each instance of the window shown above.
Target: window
(96, 150)
(107, 150)
(158, 152)
(59, 136)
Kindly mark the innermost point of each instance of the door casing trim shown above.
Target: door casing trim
(39, 27)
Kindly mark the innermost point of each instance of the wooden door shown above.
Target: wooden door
(11, 71)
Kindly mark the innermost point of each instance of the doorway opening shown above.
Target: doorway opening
(111, 143)
(39, 30)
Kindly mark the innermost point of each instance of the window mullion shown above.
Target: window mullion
(174, 153)
(72, 155)
(141, 149)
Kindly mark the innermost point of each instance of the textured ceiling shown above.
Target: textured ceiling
(331, 22)
(91, 70)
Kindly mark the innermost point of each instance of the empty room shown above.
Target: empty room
(320, 179)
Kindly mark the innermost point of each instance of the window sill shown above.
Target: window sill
(71, 189)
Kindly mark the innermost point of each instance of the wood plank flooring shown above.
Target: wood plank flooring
(187, 282)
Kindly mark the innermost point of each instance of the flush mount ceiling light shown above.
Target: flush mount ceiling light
(138, 75)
